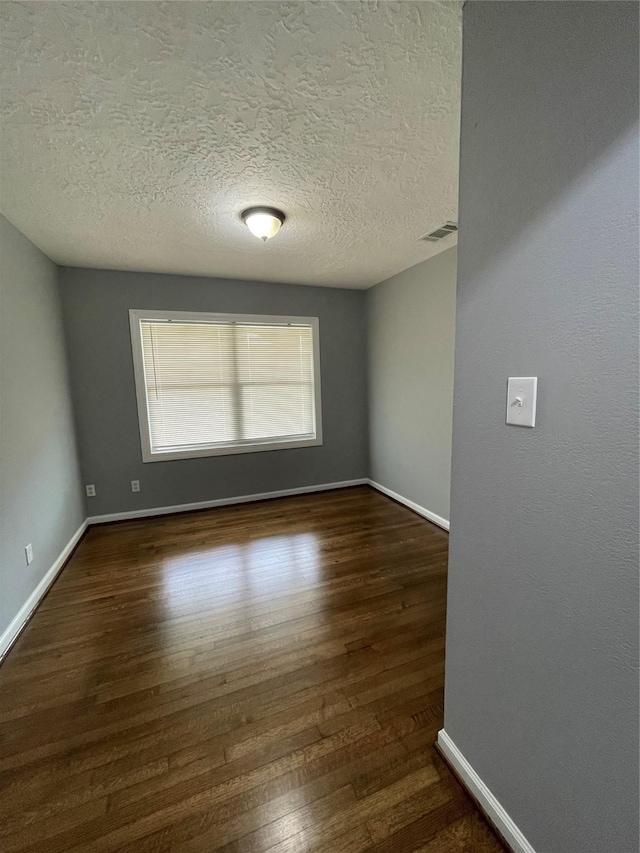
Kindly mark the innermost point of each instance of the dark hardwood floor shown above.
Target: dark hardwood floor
(264, 677)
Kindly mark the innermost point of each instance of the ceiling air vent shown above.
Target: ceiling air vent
(439, 233)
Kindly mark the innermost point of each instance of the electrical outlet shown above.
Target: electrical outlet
(135, 485)
(91, 491)
(28, 552)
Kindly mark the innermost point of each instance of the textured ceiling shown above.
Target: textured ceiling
(134, 133)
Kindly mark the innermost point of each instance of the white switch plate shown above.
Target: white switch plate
(135, 485)
(522, 392)
(28, 552)
(91, 491)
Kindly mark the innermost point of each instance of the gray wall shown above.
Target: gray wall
(96, 305)
(541, 678)
(40, 491)
(411, 322)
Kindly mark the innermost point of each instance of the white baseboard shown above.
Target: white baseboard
(242, 499)
(426, 513)
(483, 796)
(24, 614)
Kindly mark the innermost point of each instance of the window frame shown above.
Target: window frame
(136, 316)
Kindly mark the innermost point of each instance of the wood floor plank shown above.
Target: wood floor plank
(263, 677)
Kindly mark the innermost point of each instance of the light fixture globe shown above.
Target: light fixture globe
(263, 222)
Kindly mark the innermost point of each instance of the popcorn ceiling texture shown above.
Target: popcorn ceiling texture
(134, 133)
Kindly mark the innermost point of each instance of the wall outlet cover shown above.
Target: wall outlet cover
(28, 552)
(91, 491)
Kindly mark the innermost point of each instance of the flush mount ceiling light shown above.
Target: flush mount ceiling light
(264, 222)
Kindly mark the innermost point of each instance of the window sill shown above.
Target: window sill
(259, 447)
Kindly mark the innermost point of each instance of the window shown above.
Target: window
(212, 384)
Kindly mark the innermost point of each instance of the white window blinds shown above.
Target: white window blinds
(226, 385)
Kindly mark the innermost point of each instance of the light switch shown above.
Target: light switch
(521, 400)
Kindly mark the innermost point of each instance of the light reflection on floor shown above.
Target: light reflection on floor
(216, 577)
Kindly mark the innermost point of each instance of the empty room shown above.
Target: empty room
(319, 436)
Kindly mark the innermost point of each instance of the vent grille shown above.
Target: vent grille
(439, 233)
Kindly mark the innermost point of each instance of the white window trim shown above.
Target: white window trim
(137, 315)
